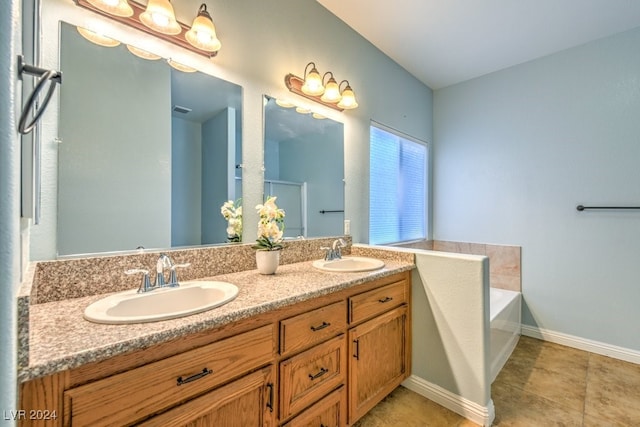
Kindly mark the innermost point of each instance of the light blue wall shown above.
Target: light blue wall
(517, 150)
(186, 182)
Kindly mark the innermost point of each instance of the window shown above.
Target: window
(397, 187)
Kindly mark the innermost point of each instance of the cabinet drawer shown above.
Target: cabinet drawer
(368, 304)
(245, 402)
(125, 398)
(307, 377)
(312, 327)
(331, 411)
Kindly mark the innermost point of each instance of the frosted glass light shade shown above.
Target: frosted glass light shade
(313, 83)
(348, 101)
(98, 39)
(113, 7)
(159, 16)
(331, 91)
(202, 34)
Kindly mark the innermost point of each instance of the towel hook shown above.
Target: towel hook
(45, 76)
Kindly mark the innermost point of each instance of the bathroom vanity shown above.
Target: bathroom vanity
(302, 347)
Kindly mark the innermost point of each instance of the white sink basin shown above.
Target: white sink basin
(161, 304)
(350, 264)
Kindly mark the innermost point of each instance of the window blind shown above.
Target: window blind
(397, 188)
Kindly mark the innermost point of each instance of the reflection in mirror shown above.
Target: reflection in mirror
(148, 153)
(304, 168)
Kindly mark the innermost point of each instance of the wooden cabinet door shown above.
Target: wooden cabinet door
(247, 402)
(328, 412)
(378, 360)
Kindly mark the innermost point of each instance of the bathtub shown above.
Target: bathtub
(504, 318)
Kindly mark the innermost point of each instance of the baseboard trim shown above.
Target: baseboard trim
(596, 347)
(482, 415)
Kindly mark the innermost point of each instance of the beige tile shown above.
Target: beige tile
(504, 260)
(510, 283)
(542, 384)
(515, 407)
(471, 248)
(591, 421)
(406, 408)
(613, 391)
(445, 246)
(542, 354)
(547, 370)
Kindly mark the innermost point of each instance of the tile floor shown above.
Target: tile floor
(542, 384)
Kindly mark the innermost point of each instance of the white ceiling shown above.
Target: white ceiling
(443, 42)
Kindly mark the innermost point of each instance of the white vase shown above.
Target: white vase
(267, 261)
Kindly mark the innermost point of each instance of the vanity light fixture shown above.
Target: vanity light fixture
(329, 93)
(202, 34)
(97, 38)
(113, 7)
(158, 19)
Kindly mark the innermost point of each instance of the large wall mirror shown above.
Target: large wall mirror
(304, 168)
(148, 153)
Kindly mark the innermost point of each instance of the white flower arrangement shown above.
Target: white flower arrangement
(270, 226)
(232, 212)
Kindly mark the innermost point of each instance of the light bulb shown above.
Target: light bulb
(312, 82)
(202, 34)
(159, 16)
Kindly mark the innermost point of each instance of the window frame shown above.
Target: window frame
(426, 212)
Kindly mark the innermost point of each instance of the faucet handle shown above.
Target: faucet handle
(173, 277)
(328, 253)
(145, 285)
(339, 243)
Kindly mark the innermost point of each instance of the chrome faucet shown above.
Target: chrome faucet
(163, 262)
(335, 251)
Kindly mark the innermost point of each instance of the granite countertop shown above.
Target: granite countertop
(60, 338)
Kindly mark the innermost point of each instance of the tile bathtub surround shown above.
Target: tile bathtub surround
(78, 277)
(504, 260)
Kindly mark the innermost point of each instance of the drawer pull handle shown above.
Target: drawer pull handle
(319, 374)
(385, 299)
(194, 377)
(322, 326)
(357, 349)
(270, 402)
